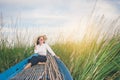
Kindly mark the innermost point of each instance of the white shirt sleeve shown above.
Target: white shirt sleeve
(36, 49)
(50, 50)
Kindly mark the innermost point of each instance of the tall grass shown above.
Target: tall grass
(12, 50)
(95, 57)
(10, 55)
(91, 60)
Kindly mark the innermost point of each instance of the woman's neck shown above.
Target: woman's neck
(41, 44)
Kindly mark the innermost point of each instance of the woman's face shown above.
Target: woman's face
(41, 40)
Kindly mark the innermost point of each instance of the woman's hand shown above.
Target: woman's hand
(35, 46)
(57, 56)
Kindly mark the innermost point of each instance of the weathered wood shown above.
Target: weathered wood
(41, 71)
(34, 73)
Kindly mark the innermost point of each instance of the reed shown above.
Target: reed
(95, 57)
(91, 60)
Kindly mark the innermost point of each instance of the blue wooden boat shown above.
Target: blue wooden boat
(18, 68)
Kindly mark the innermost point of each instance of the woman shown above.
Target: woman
(41, 48)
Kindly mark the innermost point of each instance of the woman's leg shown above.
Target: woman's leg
(42, 59)
(28, 66)
(31, 62)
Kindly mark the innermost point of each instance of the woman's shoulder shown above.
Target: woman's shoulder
(37, 45)
(46, 44)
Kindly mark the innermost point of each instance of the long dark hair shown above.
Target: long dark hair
(44, 37)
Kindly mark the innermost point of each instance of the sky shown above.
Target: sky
(53, 17)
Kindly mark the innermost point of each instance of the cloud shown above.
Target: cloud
(53, 8)
(56, 16)
(105, 8)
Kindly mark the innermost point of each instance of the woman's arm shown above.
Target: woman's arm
(51, 51)
(35, 49)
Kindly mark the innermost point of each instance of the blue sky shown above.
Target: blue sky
(56, 15)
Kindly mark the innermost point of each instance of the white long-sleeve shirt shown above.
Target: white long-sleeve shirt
(42, 49)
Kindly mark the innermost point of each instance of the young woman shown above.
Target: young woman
(41, 48)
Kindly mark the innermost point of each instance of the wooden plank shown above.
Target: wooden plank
(33, 73)
(41, 71)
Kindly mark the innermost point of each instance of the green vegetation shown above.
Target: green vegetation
(9, 56)
(91, 60)
(95, 57)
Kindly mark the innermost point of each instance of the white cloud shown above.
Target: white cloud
(107, 9)
(69, 16)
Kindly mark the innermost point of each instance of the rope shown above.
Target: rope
(53, 69)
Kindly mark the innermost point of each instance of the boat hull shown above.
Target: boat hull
(11, 72)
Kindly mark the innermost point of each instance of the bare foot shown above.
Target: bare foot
(27, 66)
(42, 63)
